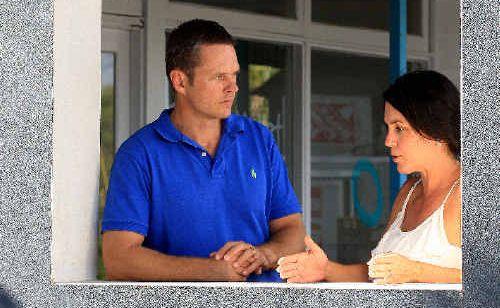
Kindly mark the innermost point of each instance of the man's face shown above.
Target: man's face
(211, 91)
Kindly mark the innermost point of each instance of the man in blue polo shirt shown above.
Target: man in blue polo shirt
(200, 194)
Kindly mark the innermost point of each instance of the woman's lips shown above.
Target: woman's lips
(396, 158)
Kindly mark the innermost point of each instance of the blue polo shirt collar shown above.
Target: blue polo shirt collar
(164, 126)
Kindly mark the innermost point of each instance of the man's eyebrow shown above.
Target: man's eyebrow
(225, 73)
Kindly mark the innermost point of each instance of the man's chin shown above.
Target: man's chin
(226, 113)
(221, 115)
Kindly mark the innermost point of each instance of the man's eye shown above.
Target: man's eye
(399, 129)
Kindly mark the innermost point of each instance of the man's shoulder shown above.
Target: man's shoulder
(254, 127)
(246, 120)
(139, 142)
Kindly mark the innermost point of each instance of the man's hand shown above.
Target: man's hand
(232, 274)
(243, 257)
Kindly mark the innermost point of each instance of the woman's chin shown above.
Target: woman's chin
(404, 169)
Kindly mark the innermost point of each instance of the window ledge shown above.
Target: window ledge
(323, 285)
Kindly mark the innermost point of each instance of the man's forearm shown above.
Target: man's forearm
(144, 264)
(286, 241)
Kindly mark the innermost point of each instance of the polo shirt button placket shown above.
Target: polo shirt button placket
(205, 161)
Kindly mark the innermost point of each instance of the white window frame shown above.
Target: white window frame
(117, 42)
(126, 42)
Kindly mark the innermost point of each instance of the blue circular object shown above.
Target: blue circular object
(369, 219)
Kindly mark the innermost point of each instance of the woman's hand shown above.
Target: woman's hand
(309, 266)
(393, 268)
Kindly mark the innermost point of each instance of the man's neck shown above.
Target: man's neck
(204, 131)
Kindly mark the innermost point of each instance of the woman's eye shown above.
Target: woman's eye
(399, 129)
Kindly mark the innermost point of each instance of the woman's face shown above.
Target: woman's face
(409, 150)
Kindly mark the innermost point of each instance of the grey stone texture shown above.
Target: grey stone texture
(26, 115)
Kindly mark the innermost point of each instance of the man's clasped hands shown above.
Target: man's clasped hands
(244, 259)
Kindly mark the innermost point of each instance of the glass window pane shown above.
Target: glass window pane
(107, 136)
(349, 209)
(283, 8)
(370, 14)
(266, 89)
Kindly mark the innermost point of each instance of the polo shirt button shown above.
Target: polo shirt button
(203, 154)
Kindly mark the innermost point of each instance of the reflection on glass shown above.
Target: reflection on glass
(259, 75)
(370, 14)
(107, 137)
(350, 188)
(283, 8)
(265, 93)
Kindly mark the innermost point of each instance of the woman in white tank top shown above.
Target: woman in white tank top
(422, 242)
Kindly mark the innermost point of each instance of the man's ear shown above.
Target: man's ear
(179, 81)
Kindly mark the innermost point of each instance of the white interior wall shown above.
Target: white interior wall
(75, 178)
(122, 7)
(445, 38)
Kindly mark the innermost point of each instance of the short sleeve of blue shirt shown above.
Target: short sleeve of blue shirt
(283, 199)
(128, 199)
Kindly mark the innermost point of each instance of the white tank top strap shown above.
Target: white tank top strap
(441, 212)
(449, 192)
(403, 209)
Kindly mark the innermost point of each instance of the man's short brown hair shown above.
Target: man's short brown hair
(184, 42)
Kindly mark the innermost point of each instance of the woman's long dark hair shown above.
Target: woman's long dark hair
(431, 104)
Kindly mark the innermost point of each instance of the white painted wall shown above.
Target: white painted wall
(75, 178)
(156, 90)
(122, 7)
(445, 38)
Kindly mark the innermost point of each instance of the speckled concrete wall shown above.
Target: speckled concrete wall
(481, 152)
(26, 113)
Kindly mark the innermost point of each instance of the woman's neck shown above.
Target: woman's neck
(440, 176)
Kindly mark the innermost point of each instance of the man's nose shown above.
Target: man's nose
(232, 86)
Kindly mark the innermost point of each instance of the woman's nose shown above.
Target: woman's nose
(389, 140)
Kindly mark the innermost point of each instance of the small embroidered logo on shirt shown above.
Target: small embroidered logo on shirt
(253, 174)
